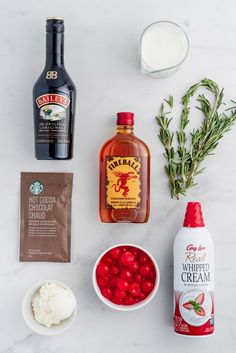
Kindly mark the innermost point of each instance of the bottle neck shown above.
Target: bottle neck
(125, 129)
(54, 49)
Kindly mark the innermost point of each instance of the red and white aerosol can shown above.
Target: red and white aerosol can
(194, 276)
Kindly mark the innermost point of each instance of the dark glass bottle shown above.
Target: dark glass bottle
(54, 97)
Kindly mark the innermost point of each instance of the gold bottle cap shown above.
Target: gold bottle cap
(55, 18)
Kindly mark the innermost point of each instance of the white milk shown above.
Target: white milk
(164, 45)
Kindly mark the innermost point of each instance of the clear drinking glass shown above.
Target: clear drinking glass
(183, 45)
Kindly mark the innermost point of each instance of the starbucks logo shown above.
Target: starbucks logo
(36, 187)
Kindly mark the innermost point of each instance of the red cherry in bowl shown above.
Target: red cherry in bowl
(126, 274)
(114, 269)
(138, 278)
(134, 266)
(143, 259)
(102, 281)
(152, 275)
(129, 300)
(142, 296)
(120, 293)
(102, 269)
(144, 270)
(147, 286)
(114, 281)
(117, 301)
(107, 292)
(115, 253)
(135, 251)
(122, 284)
(107, 260)
(127, 258)
(134, 289)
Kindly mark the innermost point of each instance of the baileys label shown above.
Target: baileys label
(52, 118)
(53, 98)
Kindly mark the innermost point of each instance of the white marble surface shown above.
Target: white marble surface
(101, 56)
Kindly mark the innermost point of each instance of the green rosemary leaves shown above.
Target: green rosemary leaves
(184, 154)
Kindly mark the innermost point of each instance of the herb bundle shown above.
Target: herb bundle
(184, 161)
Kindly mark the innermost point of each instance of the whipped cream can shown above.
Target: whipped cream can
(193, 276)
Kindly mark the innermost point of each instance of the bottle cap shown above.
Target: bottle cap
(125, 118)
(55, 18)
(193, 216)
(55, 25)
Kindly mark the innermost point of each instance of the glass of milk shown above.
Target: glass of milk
(163, 48)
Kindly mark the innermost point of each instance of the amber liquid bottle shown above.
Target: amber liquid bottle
(124, 175)
(54, 97)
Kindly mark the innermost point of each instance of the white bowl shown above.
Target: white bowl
(29, 318)
(138, 305)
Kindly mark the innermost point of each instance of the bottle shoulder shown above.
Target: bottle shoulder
(192, 234)
(124, 142)
(142, 143)
(108, 142)
(62, 82)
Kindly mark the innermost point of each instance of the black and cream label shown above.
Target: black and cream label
(52, 124)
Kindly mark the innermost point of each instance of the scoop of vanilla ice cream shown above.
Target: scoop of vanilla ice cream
(52, 303)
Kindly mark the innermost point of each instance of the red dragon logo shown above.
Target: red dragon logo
(122, 182)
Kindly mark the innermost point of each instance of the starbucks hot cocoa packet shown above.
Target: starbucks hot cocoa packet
(45, 217)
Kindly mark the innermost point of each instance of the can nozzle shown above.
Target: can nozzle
(193, 216)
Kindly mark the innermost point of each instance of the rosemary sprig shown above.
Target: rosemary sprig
(184, 160)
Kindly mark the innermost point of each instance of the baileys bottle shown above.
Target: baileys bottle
(54, 97)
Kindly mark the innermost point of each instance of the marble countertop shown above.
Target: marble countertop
(101, 55)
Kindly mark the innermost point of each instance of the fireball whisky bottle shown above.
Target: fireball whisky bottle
(124, 175)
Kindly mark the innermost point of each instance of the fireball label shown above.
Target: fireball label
(52, 118)
(194, 288)
(123, 182)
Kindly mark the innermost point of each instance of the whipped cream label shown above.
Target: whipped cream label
(194, 283)
(195, 266)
